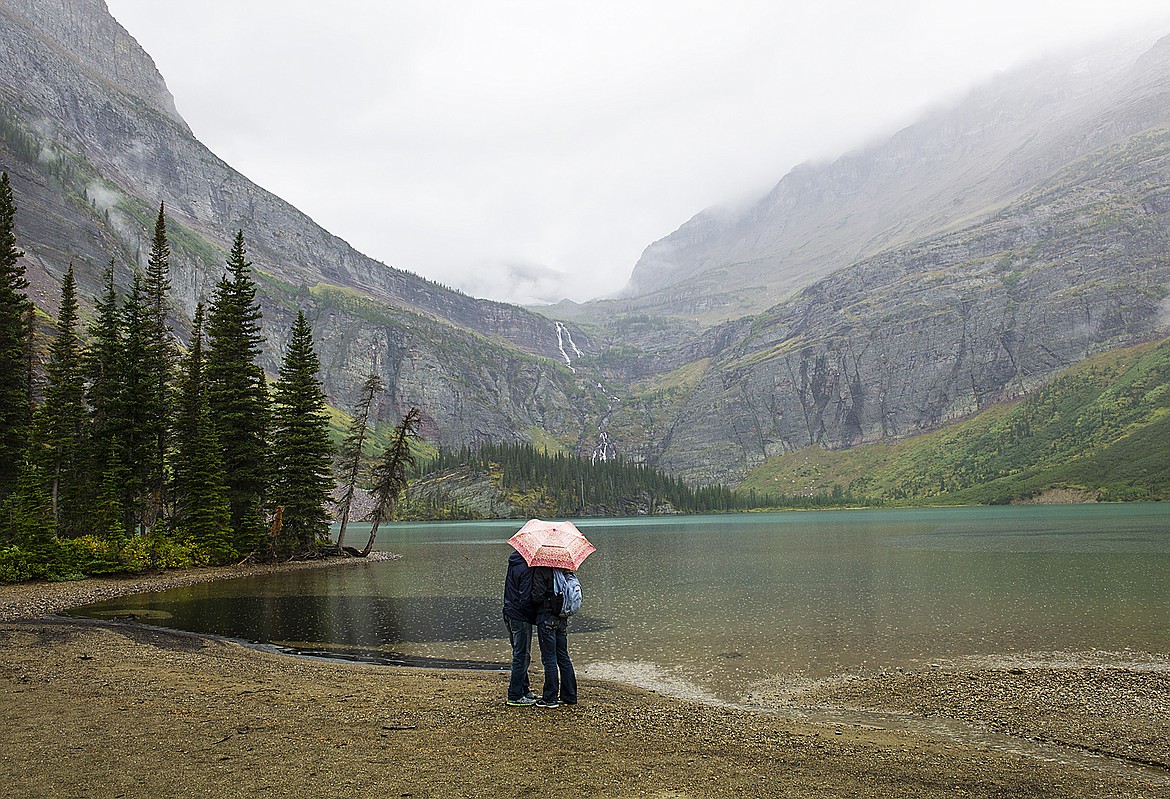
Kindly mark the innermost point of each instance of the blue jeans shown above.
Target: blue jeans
(560, 681)
(520, 633)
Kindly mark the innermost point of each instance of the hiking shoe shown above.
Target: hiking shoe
(541, 703)
(524, 701)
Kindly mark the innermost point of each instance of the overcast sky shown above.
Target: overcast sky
(529, 150)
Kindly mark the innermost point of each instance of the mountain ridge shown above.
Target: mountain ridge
(959, 164)
(90, 164)
(1028, 272)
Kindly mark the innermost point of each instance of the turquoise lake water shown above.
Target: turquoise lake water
(716, 606)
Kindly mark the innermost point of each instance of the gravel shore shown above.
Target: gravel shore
(121, 709)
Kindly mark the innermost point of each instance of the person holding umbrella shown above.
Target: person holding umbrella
(519, 616)
(552, 634)
(545, 547)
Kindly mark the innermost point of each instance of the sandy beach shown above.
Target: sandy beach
(120, 709)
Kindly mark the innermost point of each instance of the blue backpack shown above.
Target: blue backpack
(568, 588)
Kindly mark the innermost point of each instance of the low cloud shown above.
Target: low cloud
(439, 136)
(519, 283)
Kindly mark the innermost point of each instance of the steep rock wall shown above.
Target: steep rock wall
(909, 340)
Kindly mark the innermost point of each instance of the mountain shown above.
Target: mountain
(92, 140)
(963, 262)
(953, 167)
(922, 335)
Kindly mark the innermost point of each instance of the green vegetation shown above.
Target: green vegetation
(682, 380)
(390, 473)
(59, 424)
(238, 396)
(523, 480)
(301, 453)
(202, 512)
(15, 346)
(133, 461)
(1100, 430)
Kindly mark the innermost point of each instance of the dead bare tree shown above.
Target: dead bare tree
(352, 455)
(390, 476)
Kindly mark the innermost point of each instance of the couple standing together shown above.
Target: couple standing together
(529, 601)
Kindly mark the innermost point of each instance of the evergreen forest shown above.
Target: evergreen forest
(124, 452)
(528, 481)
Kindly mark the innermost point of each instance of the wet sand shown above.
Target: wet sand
(122, 709)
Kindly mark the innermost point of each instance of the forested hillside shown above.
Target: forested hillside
(1099, 431)
(520, 481)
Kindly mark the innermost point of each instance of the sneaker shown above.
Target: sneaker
(524, 701)
(530, 695)
(541, 703)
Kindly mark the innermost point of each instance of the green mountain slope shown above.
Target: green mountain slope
(1100, 430)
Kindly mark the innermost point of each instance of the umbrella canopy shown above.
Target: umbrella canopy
(557, 544)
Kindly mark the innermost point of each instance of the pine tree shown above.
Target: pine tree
(160, 357)
(60, 421)
(102, 364)
(26, 514)
(390, 473)
(107, 513)
(352, 455)
(133, 421)
(238, 396)
(301, 451)
(202, 513)
(15, 387)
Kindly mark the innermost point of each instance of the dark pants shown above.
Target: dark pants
(520, 633)
(560, 681)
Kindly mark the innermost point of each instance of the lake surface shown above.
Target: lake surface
(717, 606)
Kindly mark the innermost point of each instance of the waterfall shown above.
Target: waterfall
(604, 450)
(562, 334)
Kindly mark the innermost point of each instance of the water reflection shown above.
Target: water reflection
(348, 621)
(722, 603)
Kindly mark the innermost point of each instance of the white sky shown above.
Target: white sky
(529, 150)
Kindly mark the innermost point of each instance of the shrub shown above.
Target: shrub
(14, 565)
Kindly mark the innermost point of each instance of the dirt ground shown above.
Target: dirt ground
(125, 710)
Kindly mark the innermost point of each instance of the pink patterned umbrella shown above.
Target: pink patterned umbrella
(557, 544)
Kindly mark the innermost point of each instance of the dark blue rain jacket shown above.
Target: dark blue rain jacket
(518, 590)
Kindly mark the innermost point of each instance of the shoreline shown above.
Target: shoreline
(39, 598)
(105, 692)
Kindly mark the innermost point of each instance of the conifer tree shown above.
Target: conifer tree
(15, 387)
(60, 421)
(202, 513)
(351, 458)
(102, 365)
(301, 452)
(160, 358)
(238, 396)
(107, 513)
(26, 514)
(132, 421)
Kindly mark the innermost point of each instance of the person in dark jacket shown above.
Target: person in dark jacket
(519, 616)
(552, 633)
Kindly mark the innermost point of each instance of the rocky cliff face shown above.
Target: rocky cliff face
(82, 32)
(92, 141)
(910, 339)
